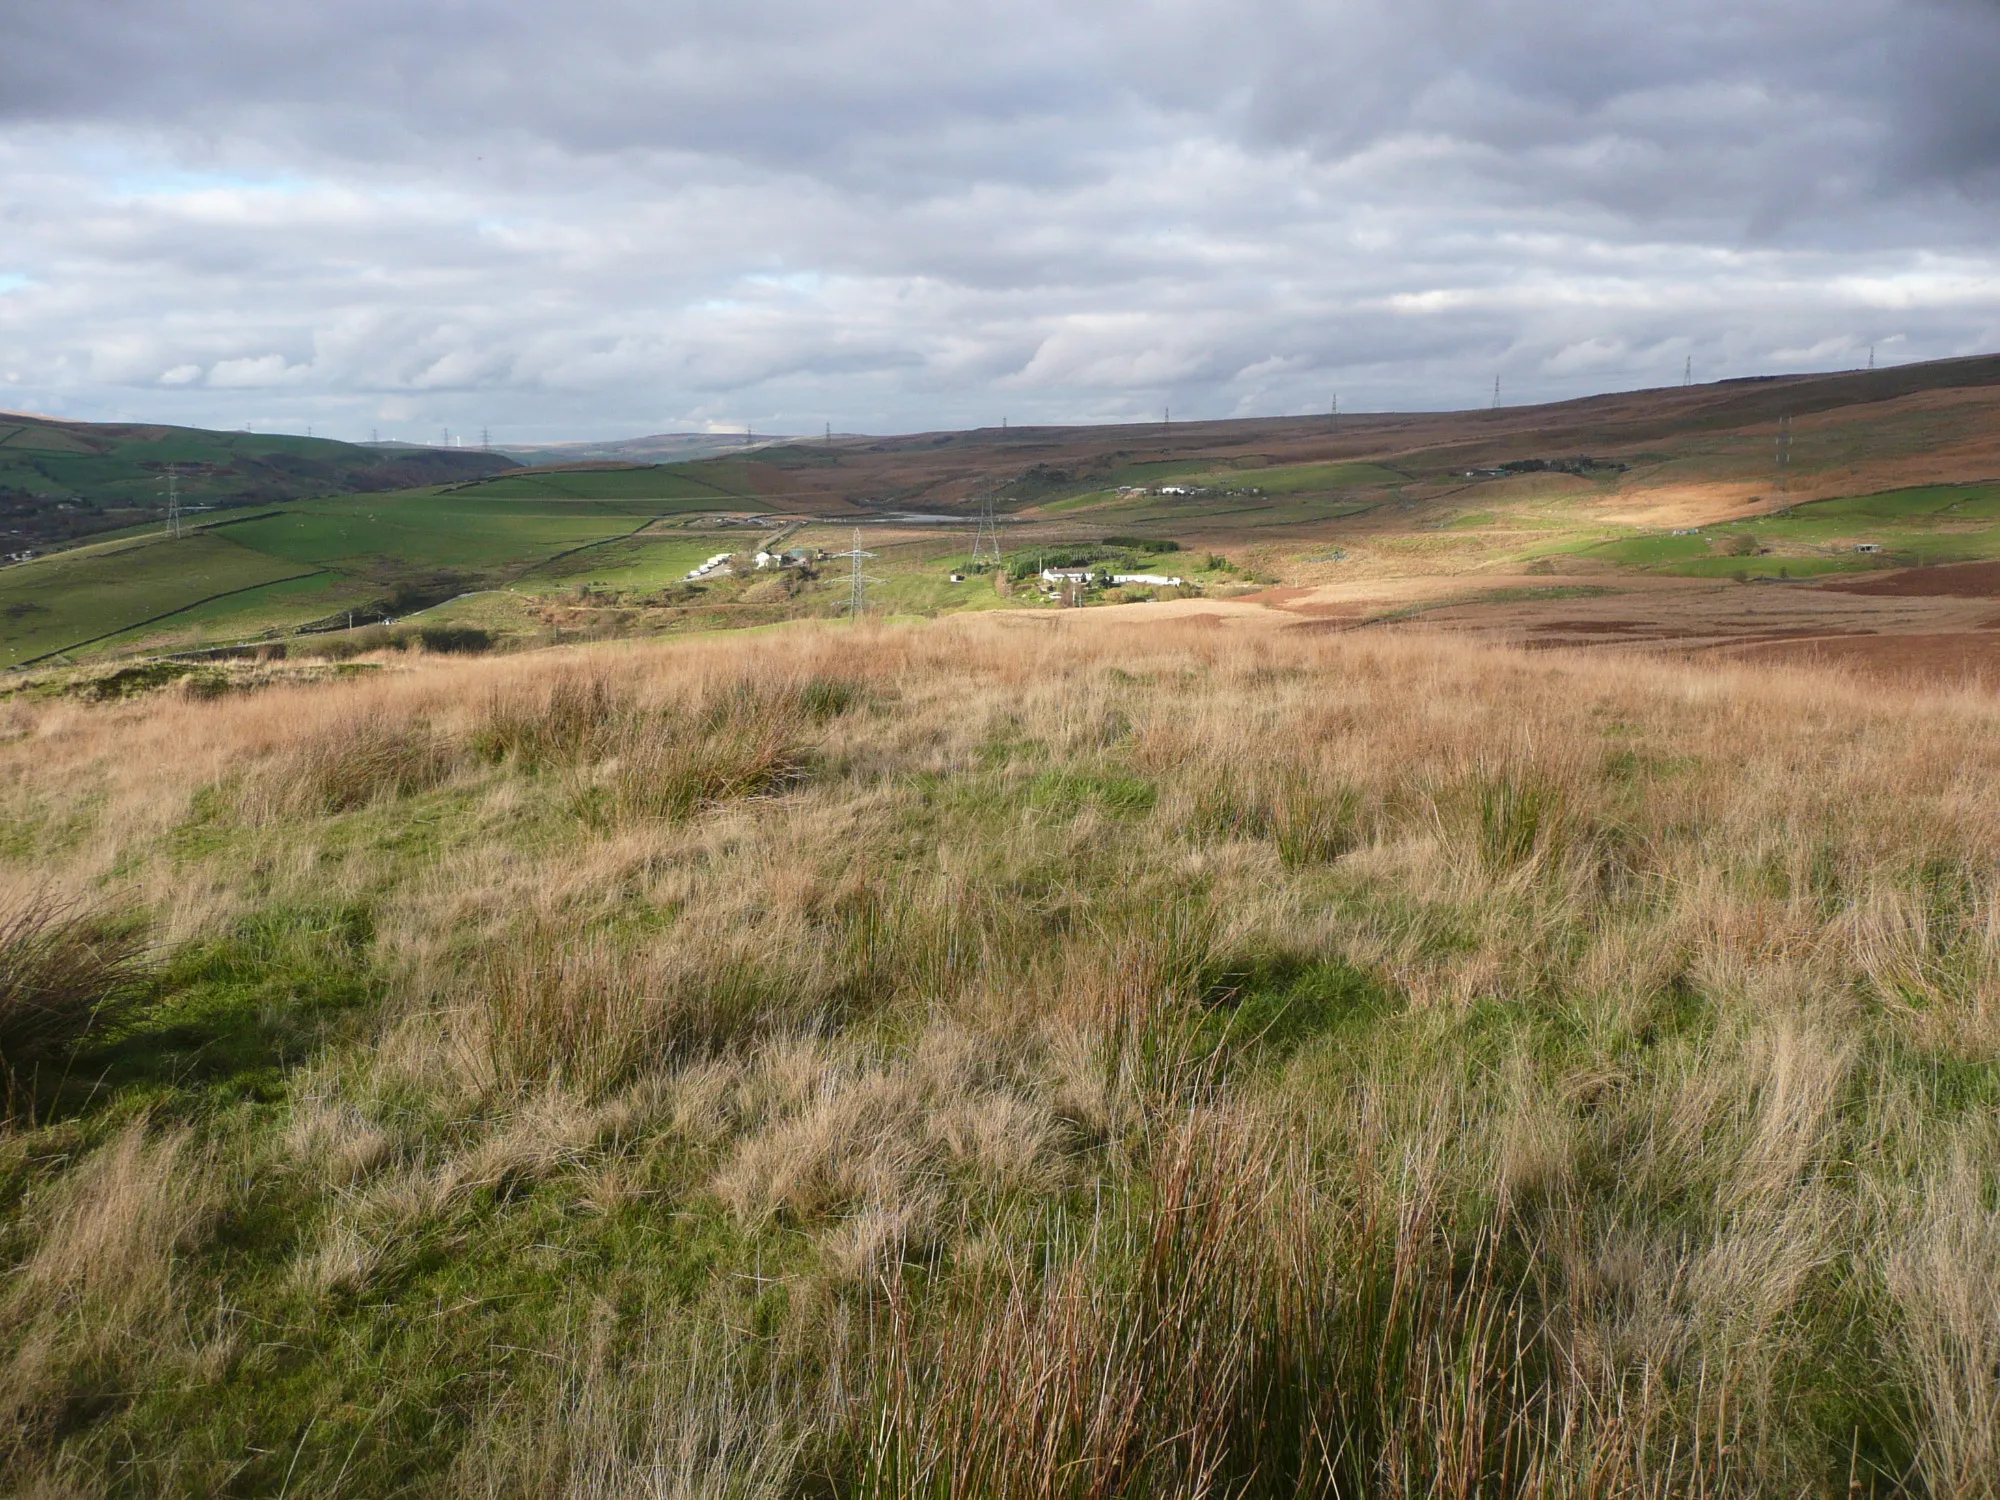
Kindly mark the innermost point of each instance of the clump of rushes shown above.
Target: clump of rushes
(65, 973)
(1313, 817)
(565, 722)
(372, 757)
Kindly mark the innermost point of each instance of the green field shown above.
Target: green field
(1930, 524)
(1300, 479)
(428, 531)
(373, 554)
(63, 480)
(681, 486)
(68, 600)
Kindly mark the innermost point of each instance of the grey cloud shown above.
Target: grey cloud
(581, 219)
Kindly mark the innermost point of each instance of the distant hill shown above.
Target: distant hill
(1661, 493)
(662, 447)
(63, 480)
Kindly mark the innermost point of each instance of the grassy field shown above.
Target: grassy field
(1373, 509)
(66, 600)
(1018, 1056)
(374, 554)
(63, 480)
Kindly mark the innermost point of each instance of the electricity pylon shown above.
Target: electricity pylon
(1783, 457)
(857, 595)
(173, 501)
(986, 546)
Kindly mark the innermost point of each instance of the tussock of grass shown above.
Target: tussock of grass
(351, 764)
(65, 972)
(1014, 1057)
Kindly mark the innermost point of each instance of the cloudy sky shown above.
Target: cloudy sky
(607, 217)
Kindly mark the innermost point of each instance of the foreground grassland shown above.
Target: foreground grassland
(1007, 1056)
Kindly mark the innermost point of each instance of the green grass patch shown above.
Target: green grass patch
(66, 600)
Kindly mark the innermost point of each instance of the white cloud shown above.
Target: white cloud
(261, 373)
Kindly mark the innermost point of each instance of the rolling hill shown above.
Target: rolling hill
(62, 480)
(1619, 519)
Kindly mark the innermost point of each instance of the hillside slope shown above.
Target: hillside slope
(1624, 519)
(1080, 1057)
(60, 480)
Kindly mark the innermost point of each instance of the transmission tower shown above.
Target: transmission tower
(1496, 393)
(1687, 371)
(1783, 460)
(485, 441)
(986, 546)
(1871, 356)
(173, 501)
(857, 596)
(1333, 413)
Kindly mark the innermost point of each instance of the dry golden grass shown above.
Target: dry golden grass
(1080, 1059)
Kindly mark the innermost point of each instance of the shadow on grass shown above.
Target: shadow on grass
(230, 1016)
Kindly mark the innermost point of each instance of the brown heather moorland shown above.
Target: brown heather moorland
(1015, 1056)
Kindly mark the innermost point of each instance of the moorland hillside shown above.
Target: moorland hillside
(1021, 1055)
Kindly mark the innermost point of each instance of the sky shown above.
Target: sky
(613, 217)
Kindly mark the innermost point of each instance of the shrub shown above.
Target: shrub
(455, 639)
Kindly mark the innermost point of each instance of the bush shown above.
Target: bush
(64, 973)
(455, 639)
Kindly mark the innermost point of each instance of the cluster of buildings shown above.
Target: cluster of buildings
(1088, 576)
(764, 558)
